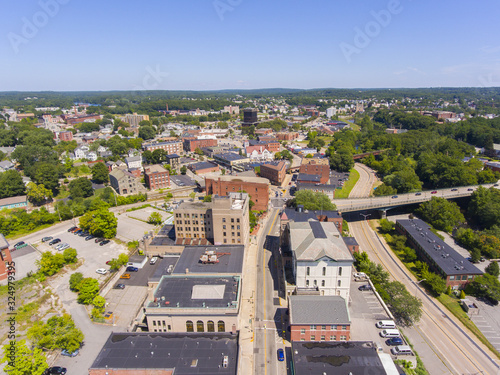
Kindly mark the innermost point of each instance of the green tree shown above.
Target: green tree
(81, 188)
(60, 332)
(198, 151)
(88, 289)
(312, 201)
(70, 255)
(74, 281)
(486, 286)
(47, 174)
(386, 226)
(342, 160)
(192, 195)
(155, 218)
(37, 194)
(12, 184)
(25, 361)
(49, 264)
(493, 269)
(207, 198)
(435, 283)
(100, 173)
(100, 223)
(99, 303)
(383, 190)
(147, 132)
(441, 214)
(123, 259)
(183, 169)
(405, 307)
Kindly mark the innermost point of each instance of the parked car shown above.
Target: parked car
(68, 354)
(88, 238)
(71, 229)
(62, 246)
(120, 286)
(53, 242)
(102, 243)
(153, 260)
(101, 271)
(393, 341)
(55, 370)
(45, 239)
(281, 355)
(20, 244)
(434, 192)
(125, 276)
(360, 276)
(78, 232)
(365, 287)
(132, 269)
(99, 239)
(75, 229)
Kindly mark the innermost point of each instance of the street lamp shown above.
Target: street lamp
(416, 285)
(365, 216)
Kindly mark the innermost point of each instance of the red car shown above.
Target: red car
(434, 192)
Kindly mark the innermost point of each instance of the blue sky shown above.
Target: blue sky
(230, 44)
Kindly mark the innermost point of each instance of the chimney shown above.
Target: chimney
(300, 208)
(187, 270)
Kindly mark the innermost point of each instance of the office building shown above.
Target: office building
(156, 177)
(250, 117)
(274, 172)
(256, 187)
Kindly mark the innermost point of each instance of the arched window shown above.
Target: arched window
(221, 326)
(307, 282)
(339, 283)
(308, 271)
(189, 326)
(324, 271)
(210, 326)
(340, 271)
(315, 282)
(322, 282)
(200, 326)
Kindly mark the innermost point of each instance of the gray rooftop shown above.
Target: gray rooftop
(185, 353)
(191, 291)
(442, 254)
(165, 237)
(231, 262)
(229, 156)
(3, 242)
(350, 241)
(315, 186)
(202, 165)
(318, 310)
(309, 177)
(332, 358)
(165, 267)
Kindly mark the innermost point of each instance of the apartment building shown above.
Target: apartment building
(191, 144)
(156, 177)
(287, 136)
(321, 170)
(274, 172)
(256, 187)
(66, 136)
(173, 147)
(225, 220)
(134, 119)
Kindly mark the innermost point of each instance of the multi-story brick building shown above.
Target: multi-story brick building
(66, 136)
(287, 136)
(156, 177)
(125, 182)
(203, 167)
(274, 172)
(256, 187)
(319, 318)
(263, 131)
(225, 220)
(5, 258)
(191, 144)
(320, 161)
(321, 170)
(174, 147)
(134, 119)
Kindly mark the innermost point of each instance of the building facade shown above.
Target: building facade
(134, 162)
(256, 187)
(134, 119)
(66, 136)
(5, 259)
(275, 173)
(225, 220)
(316, 169)
(156, 177)
(124, 182)
(203, 167)
(14, 202)
(174, 147)
(191, 144)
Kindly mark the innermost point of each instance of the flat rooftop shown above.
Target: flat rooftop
(185, 353)
(202, 165)
(239, 178)
(309, 177)
(165, 267)
(446, 258)
(318, 310)
(230, 260)
(165, 237)
(333, 358)
(191, 291)
(230, 156)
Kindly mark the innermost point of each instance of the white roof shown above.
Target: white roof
(208, 292)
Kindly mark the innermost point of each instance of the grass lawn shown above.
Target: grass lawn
(349, 184)
(453, 306)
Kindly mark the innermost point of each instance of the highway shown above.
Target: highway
(356, 202)
(443, 343)
(268, 315)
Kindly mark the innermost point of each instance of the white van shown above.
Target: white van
(389, 333)
(402, 350)
(386, 324)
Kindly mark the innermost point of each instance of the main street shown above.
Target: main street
(445, 346)
(268, 315)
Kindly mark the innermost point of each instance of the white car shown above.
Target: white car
(101, 271)
(153, 260)
(62, 246)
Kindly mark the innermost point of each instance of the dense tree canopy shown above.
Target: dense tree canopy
(441, 213)
(81, 188)
(312, 201)
(11, 184)
(100, 223)
(100, 173)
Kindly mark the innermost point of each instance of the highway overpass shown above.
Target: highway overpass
(387, 202)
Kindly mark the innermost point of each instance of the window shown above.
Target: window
(339, 283)
(322, 282)
(324, 271)
(332, 338)
(210, 326)
(343, 338)
(221, 326)
(308, 271)
(315, 282)
(224, 234)
(232, 234)
(307, 282)
(232, 227)
(239, 234)
(223, 219)
(470, 277)
(232, 220)
(344, 328)
(302, 331)
(224, 226)
(200, 326)
(225, 240)
(189, 326)
(323, 338)
(313, 327)
(233, 241)
(323, 327)
(154, 322)
(464, 277)
(452, 277)
(238, 227)
(237, 220)
(313, 337)
(302, 339)
(340, 271)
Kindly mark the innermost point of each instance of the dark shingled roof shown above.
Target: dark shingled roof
(186, 353)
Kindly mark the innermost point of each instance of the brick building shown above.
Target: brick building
(191, 144)
(66, 136)
(287, 136)
(174, 147)
(320, 161)
(319, 318)
(321, 170)
(256, 187)
(275, 173)
(263, 131)
(203, 167)
(5, 258)
(156, 177)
